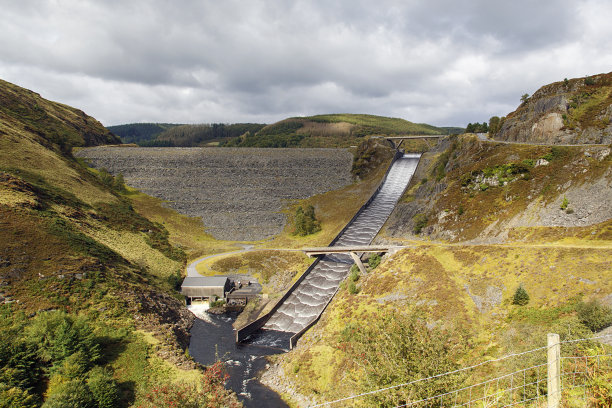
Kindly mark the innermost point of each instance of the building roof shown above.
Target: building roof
(200, 281)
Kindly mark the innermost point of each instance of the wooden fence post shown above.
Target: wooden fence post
(554, 371)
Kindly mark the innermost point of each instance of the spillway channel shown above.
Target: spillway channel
(307, 301)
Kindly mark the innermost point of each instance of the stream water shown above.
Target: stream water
(212, 338)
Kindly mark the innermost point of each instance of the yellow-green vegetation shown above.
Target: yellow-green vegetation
(586, 106)
(464, 291)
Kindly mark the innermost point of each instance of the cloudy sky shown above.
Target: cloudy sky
(443, 62)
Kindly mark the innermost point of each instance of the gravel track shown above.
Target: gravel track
(238, 192)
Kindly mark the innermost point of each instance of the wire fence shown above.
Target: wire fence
(575, 373)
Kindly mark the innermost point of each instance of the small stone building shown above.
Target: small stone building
(205, 287)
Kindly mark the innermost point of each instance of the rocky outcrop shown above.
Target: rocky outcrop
(577, 111)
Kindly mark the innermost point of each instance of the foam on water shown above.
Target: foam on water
(312, 295)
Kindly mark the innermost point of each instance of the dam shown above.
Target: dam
(307, 299)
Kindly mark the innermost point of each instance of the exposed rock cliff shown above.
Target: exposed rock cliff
(576, 111)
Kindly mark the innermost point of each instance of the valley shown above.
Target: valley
(104, 249)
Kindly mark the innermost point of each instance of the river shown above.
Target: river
(212, 338)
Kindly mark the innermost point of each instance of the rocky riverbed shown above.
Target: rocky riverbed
(238, 192)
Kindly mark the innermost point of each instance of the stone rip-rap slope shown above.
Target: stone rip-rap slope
(238, 192)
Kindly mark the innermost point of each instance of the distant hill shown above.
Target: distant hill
(572, 111)
(180, 135)
(334, 130)
(203, 134)
(140, 132)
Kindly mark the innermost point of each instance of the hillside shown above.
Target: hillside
(336, 130)
(573, 111)
(140, 132)
(86, 283)
(482, 219)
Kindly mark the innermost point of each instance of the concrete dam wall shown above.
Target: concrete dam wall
(308, 299)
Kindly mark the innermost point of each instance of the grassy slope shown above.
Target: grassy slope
(71, 242)
(470, 286)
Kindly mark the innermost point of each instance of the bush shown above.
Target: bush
(396, 348)
(354, 276)
(305, 221)
(564, 203)
(73, 394)
(176, 280)
(521, 297)
(420, 221)
(58, 336)
(103, 388)
(594, 315)
(16, 397)
(352, 288)
(374, 261)
(210, 393)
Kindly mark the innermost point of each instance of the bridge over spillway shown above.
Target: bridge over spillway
(304, 302)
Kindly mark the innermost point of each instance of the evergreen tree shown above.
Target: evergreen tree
(521, 297)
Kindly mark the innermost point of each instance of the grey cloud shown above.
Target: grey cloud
(445, 62)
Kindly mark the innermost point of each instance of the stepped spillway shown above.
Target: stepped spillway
(310, 298)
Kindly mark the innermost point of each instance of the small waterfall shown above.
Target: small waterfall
(309, 299)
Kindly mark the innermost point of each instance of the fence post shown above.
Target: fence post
(554, 371)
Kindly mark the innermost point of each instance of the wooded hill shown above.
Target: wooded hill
(336, 130)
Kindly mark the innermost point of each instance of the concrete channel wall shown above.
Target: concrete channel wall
(245, 331)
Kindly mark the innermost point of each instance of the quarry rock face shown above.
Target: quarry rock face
(577, 111)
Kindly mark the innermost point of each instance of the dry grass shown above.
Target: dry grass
(446, 282)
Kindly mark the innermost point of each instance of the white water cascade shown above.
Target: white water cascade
(309, 299)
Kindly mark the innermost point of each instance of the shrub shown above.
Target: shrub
(305, 222)
(398, 348)
(594, 315)
(210, 393)
(103, 388)
(352, 288)
(564, 203)
(521, 297)
(420, 221)
(16, 397)
(354, 276)
(524, 98)
(217, 303)
(73, 394)
(176, 280)
(374, 261)
(58, 335)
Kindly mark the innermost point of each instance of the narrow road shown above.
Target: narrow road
(191, 268)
